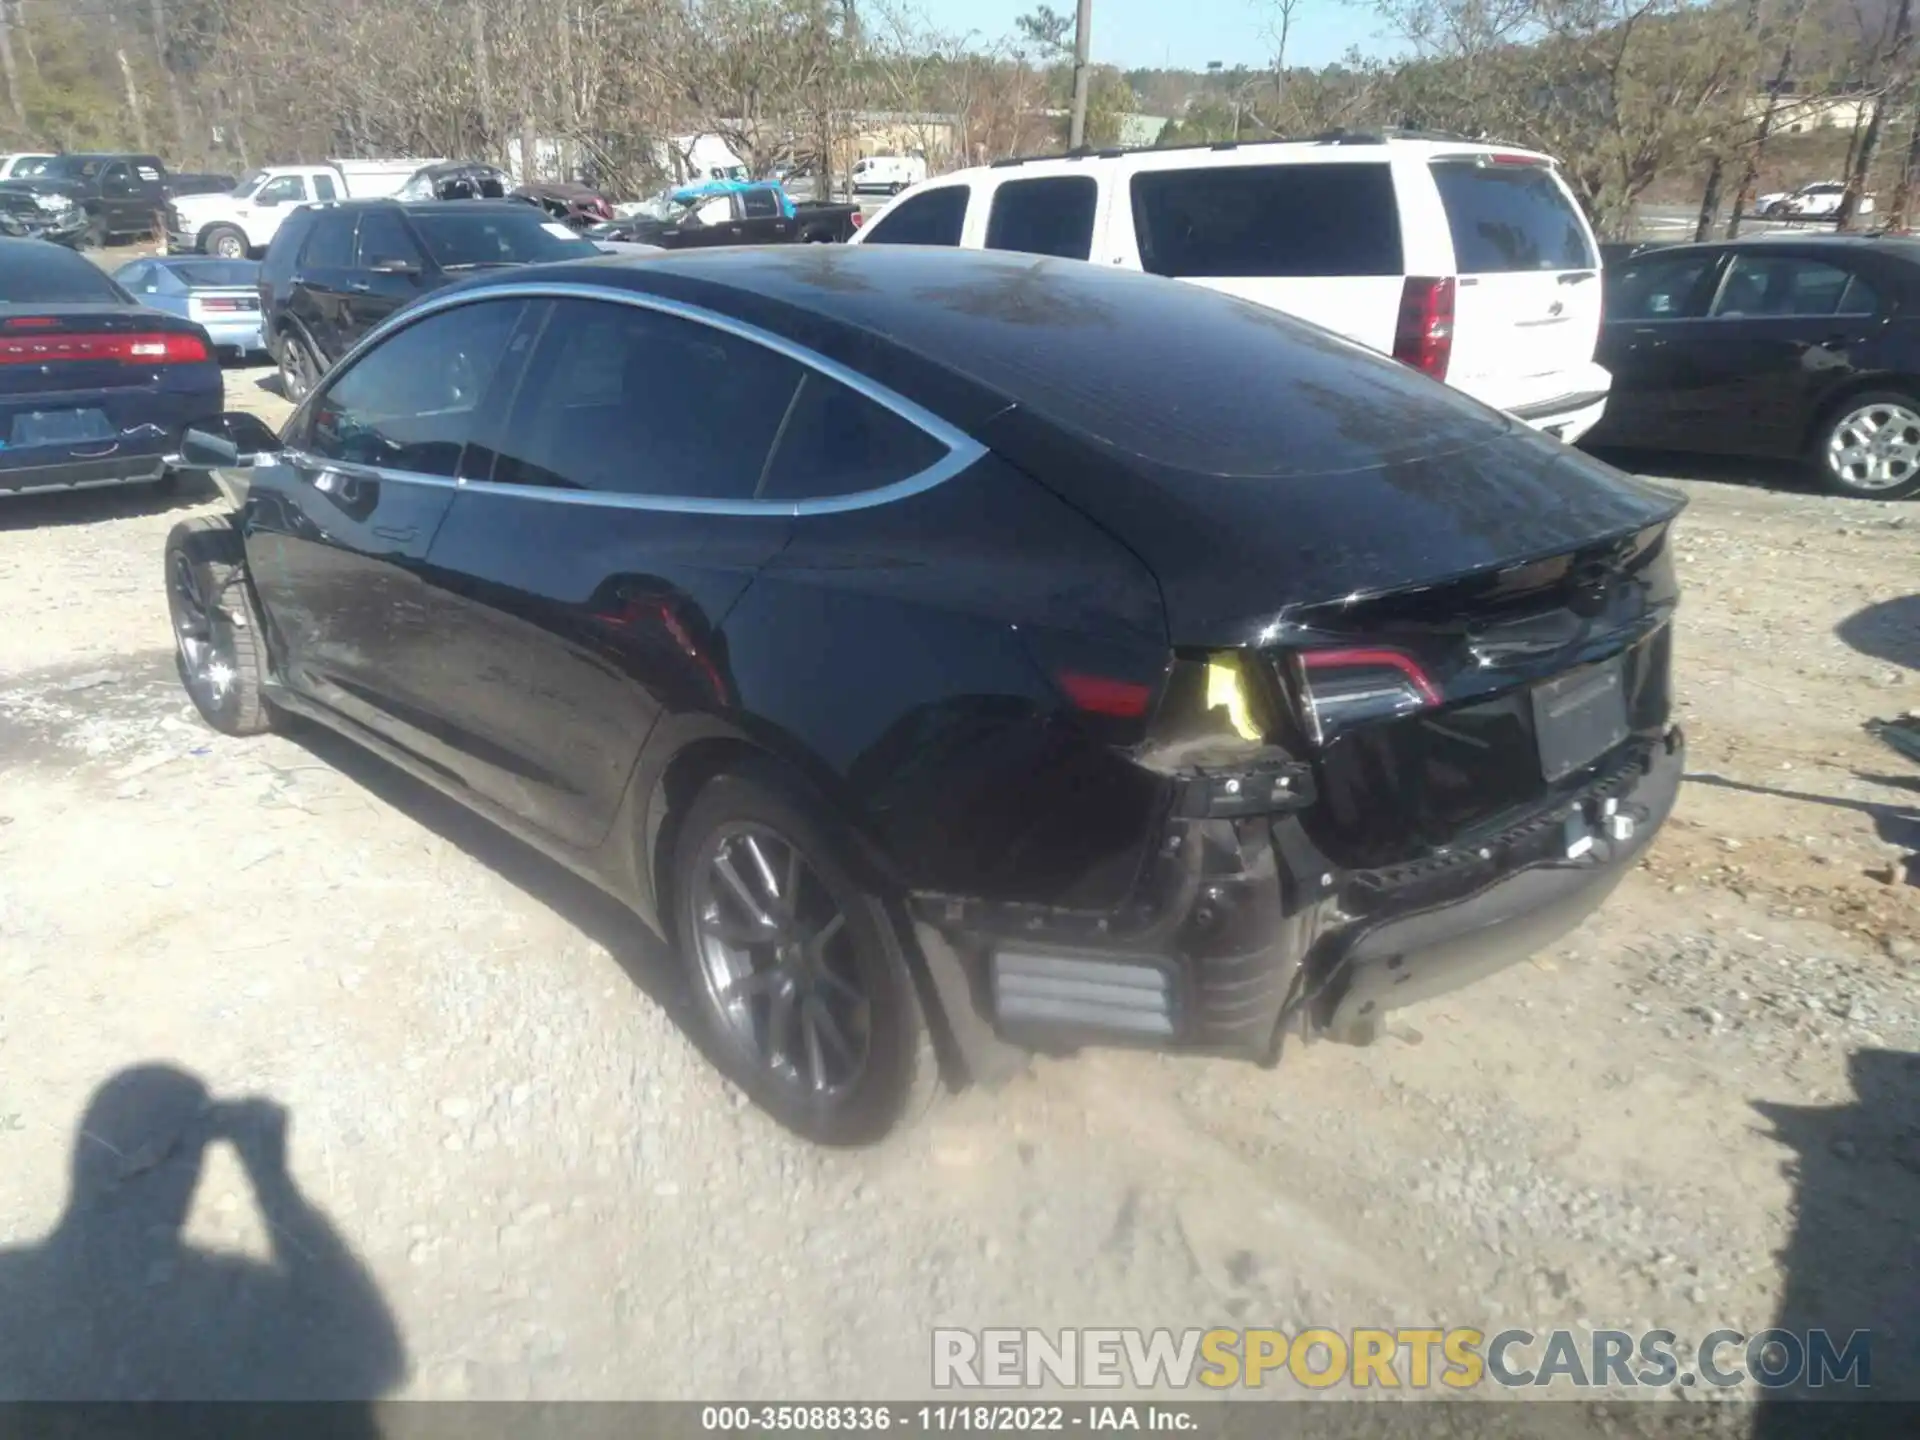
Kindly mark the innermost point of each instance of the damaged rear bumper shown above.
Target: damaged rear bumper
(1244, 932)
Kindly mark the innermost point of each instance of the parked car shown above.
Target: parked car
(1818, 200)
(31, 214)
(243, 221)
(578, 206)
(903, 635)
(122, 195)
(21, 165)
(732, 212)
(886, 174)
(456, 180)
(1791, 347)
(95, 389)
(220, 296)
(1470, 263)
(1616, 252)
(335, 271)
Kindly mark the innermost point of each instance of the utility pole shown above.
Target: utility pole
(1082, 40)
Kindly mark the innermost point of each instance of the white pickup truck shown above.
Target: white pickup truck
(243, 221)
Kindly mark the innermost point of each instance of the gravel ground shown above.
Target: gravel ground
(508, 1174)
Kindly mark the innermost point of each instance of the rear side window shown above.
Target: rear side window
(1507, 218)
(758, 204)
(1045, 217)
(836, 441)
(323, 188)
(330, 246)
(1268, 220)
(41, 274)
(630, 401)
(932, 217)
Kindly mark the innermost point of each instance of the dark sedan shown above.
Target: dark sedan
(95, 389)
(962, 651)
(1803, 348)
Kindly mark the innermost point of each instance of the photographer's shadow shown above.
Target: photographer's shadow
(115, 1304)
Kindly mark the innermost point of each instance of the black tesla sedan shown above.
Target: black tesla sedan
(1803, 347)
(956, 652)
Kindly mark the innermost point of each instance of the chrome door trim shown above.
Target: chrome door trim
(962, 449)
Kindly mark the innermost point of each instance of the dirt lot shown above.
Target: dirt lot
(1702, 1110)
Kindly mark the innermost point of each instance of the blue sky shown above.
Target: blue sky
(1182, 33)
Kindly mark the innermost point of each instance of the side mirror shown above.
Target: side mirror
(267, 201)
(395, 267)
(227, 441)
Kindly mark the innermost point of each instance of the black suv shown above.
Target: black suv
(122, 195)
(335, 271)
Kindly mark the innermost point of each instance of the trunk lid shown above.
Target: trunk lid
(1527, 296)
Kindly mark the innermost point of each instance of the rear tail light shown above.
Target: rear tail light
(1343, 688)
(1101, 695)
(858, 219)
(136, 349)
(1423, 338)
(218, 302)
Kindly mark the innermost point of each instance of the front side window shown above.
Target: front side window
(116, 177)
(1053, 216)
(282, 190)
(630, 401)
(1787, 286)
(1507, 218)
(931, 217)
(1657, 289)
(1267, 221)
(413, 402)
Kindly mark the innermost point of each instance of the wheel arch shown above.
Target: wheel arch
(1904, 382)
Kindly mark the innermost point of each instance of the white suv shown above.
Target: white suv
(1469, 262)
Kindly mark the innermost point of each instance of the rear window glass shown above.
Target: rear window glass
(932, 217)
(1507, 218)
(1268, 220)
(35, 273)
(455, 238)
(1045, 217)
(216, 272)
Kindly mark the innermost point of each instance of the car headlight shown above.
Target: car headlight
(53, 202)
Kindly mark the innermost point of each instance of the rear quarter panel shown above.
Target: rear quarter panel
(888, 654)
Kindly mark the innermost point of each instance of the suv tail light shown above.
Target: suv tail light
(1423, 338)
(1343, 688)
(135, 349)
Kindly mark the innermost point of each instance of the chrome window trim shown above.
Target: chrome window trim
(962, 449)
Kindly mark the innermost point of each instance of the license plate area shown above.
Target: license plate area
(1579, 716)
(61, 427)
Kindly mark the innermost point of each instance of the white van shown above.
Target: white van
(887, 174)
(1469, 262)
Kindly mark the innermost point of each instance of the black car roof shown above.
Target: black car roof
(1152, 370)
(1905, 247)
(431, 207)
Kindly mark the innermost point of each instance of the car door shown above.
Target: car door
(317, 292)
(119, 198)
(389, 271)
(590, 570)
(150, 183)
(338, 526)
(715, 221)
(1652, 303)
(1781, 332)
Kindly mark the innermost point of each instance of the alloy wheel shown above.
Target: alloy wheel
(1875, 447)
(205, 663)
(776, 958)
(228, 247)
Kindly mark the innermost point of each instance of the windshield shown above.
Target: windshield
(43, 274)
(458, 239)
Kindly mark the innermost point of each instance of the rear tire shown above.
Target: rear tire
(226, 242)
(219, 648)
(766, 962)
(1869, 447)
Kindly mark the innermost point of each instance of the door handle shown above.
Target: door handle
(1575, 279)
(360, 287)
(399, 534)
